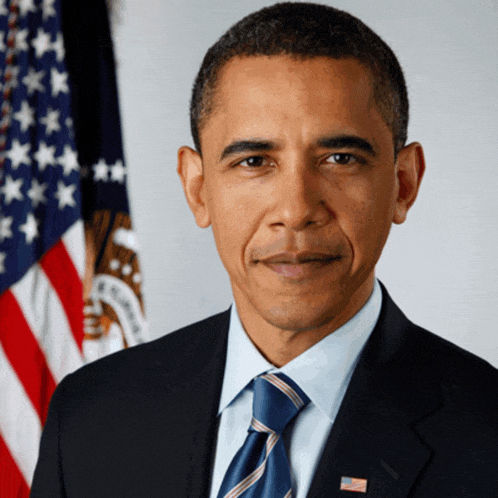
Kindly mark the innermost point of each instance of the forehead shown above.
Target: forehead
(279, 97)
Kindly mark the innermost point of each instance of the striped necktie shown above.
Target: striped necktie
(260, 468)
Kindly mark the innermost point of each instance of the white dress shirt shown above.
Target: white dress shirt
(323, 372)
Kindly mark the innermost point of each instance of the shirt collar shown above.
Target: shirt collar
(244, 361)
(322, 371)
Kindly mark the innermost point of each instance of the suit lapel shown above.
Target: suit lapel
(374, 436)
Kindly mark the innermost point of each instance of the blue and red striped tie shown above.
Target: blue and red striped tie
(260, 468)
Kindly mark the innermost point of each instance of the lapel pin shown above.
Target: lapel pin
(354, 484)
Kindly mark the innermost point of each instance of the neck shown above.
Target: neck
(281, 344)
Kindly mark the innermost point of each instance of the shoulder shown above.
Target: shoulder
(426, 361)
(448, 396)
(182, 354)
(396, 336)
(469, 384)
(455, 367)
(462, 428)
(127, 410)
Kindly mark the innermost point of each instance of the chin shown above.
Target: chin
(299, 316)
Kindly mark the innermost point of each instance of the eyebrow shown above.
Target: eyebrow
(347, 141)
(247, 146)
(332, 142)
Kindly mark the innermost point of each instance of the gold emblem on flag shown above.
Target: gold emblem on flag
(114, 311)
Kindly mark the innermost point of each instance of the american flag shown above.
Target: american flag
(64, 218)
(354, 484)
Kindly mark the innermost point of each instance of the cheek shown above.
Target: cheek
(234, 219)
(366, 216)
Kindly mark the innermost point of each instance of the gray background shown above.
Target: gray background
(441, 266)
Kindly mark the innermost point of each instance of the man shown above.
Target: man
(299, 117)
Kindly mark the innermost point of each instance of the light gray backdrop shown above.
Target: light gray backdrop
(441, 266)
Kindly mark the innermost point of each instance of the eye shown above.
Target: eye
(253, 162)
(342, 158)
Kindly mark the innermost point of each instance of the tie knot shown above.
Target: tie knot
(277, 400)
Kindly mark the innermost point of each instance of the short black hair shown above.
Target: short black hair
(304, 31)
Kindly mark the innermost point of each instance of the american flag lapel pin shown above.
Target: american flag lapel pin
(354, 484)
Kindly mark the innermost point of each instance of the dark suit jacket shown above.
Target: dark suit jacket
(419, 419)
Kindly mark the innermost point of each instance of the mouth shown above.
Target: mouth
(299, 265)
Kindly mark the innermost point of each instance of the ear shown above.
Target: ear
(190, 171)
(410, 167)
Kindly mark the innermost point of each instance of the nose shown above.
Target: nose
(299, 200)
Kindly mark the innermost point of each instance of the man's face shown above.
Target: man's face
(299, 182)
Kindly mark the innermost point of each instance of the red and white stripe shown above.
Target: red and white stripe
(260, 427)
(41, 337)
(285, 388)
(353, 484)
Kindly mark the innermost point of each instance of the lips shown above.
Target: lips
(288, 258)
(298, 265)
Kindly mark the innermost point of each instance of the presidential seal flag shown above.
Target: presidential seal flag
(114, 316)
(69, 276)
